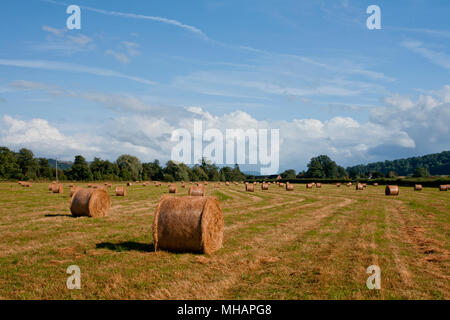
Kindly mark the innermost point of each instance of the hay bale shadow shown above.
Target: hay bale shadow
(126, 246)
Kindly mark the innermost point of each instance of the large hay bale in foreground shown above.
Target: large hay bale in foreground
(172, 189)
(417, 187)
(392, 190)
(250, 187)
(57, 188)
(289, 187)
(193, 224)
(443, 187)
(196, 191)
(264, 186)
(359, 186)
(90, 203)
(121, 191)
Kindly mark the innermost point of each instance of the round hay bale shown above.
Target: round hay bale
(196, 191)
(71, 185)
(309, 186)
(90, 203)
(250, 187)
(227, 183)
(129, 184)
(57, 188)
(121, 191)
(338, 185)
(89, 185)
(359, 186)
(443, 187)
(364, 185)
(289, 187)
(375, 184)
(183, 185)
(417, 187)
(318, 185)
(190, 224)
(349, 184)
(264, 186)
(392, 190)
(173, 189)
(50, 187)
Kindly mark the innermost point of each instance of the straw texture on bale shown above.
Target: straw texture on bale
(57, 188)
(190, 224)
(121, 191)
(359, 186)
(289, 187)
(196, 191)
(90, 203)
(417, 187)
(443, 187)
(391, 190)
(250, 187)
(264, 186)
(172, 189)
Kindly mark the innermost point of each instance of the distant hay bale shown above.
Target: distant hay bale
(196, 191)
(129, 184)
(264, 186)
(417, 187)
(250, 187)
(173, 189)
(206, 183)
(309, 186)
(89, 185)
(338, 185)
(281, 184)
(289, 187)
(72, 191)
(375, 184)
(227, 183)
(443, 187)
(359, 186)
(57, 188)
(71, 185)
(364, 185)
(318, 185)
(50, 187)
(121, 191)
(90, 203)
(188, 224)
(392, 190)
(183, 185)
(349, 184)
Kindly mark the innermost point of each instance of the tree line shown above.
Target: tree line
(432, 164)
(23, 165)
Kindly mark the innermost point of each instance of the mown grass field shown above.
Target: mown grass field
(305, 244)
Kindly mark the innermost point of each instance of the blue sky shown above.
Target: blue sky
(137, 70)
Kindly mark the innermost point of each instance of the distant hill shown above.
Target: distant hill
(63, 165)
(436, 164)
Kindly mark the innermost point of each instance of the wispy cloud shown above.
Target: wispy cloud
(71, 67)
(439, 58)
(141, 17)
